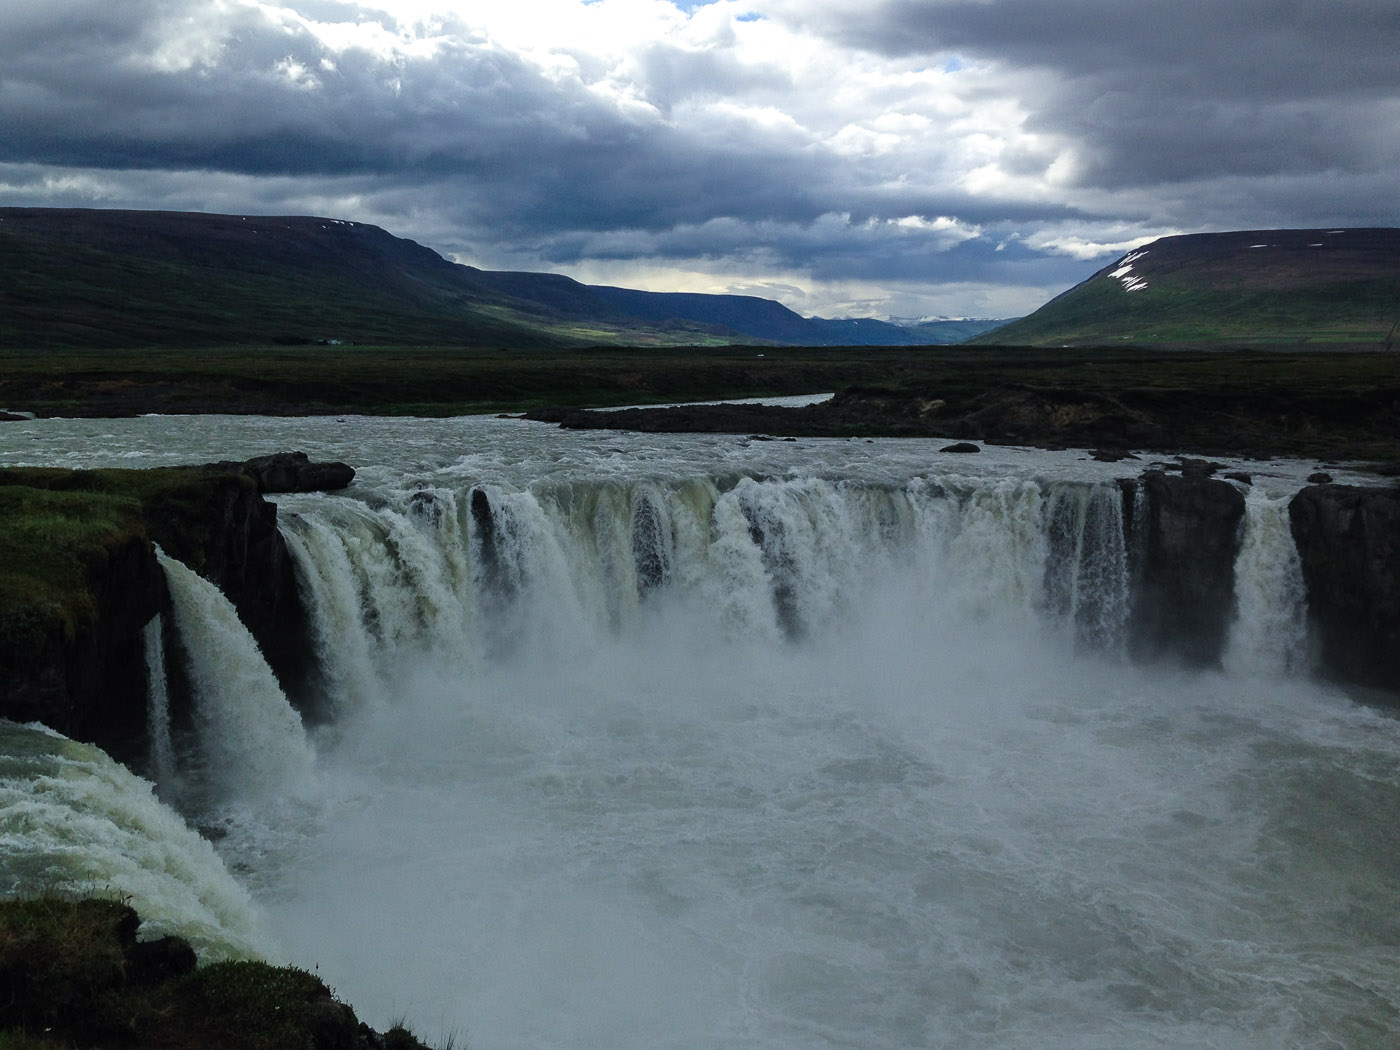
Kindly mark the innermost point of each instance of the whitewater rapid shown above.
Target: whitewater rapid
(703, 742)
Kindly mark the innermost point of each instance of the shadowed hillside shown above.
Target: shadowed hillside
(94, 279)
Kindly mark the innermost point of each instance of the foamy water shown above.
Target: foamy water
(703, 743)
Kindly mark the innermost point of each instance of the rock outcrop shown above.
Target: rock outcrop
(291, 472)
(1348, 541)
(76, 662)
(1184, 567)
(220, 526)
(73, 973)
(87, 679)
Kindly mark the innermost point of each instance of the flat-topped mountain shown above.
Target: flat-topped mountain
(108, 278)
(1247, 287)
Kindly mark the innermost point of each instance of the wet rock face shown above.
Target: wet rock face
(294, 472)
(1186, 545)
(1348, 541)
(92, 684)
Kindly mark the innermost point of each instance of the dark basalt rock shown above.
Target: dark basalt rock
(73, 974)
(289, 472)
(89, 681)
(960, 446)
(1348, 540)
(1185, 567)
(91, 684)
(222, 528)
(1197, 468)
(294, 472)
(151, 962)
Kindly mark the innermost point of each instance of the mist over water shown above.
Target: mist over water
(671, 742)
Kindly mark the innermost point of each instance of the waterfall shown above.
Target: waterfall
(73, 821)
(340, 630)
(644, 741)
(1086, 576)
(161, 749)
(487, 570)
(992, 545)
(1269, 634)
(251, 741)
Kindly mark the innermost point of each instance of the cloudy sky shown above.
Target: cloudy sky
(847, 157)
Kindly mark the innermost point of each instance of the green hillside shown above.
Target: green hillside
(92, 279)
(85, 278)
(1252, 287)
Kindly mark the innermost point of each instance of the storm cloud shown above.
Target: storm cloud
(906, 157)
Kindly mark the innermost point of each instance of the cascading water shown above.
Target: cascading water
(696, 742)
(1270, 633)
(802, 730)
(73, 821)
(1087, 572)
(250, 739)
(161, 759)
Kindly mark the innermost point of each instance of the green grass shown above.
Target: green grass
(59, 527)
(417, 380)
(52, 543)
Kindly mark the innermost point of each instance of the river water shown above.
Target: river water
(642, 741)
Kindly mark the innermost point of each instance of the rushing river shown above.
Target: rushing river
(703, 741)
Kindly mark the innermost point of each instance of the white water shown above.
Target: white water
(161, 759)
(1270, 632)
(250, 741)
(73, 821)
(704, 743)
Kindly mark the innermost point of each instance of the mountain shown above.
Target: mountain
(110, 278)
(954, 329)
(1254, 287)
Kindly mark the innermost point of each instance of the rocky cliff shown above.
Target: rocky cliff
(1348, 540)
(1183, 554)
(74, 658)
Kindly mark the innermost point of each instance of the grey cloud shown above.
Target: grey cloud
(674, 75)
(1187, 114)
(1271, 48)
(546, 152)
(1163, 91)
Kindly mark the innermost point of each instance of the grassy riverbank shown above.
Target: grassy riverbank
(452, 381)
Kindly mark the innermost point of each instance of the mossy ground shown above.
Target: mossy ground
(58, 526)
(68, 978)
(51, 543)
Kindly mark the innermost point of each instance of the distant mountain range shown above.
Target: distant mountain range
(1250, 287)
(108, 278)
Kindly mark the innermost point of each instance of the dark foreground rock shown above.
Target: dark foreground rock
(72, 973)
(291, 472)
(1189, 539)
(1348, 540)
